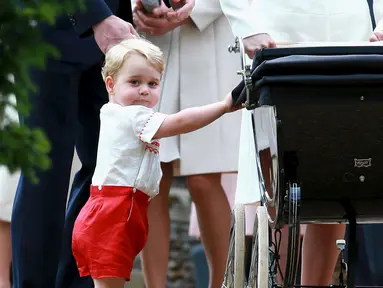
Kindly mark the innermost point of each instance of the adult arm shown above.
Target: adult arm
(98, 18)
(243, 24)
(95, 11)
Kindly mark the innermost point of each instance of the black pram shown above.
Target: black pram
(323, 159)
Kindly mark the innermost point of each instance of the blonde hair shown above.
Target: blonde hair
(117, 55)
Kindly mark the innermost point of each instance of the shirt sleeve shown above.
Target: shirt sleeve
(146, 123)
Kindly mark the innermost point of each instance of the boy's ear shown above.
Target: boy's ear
(109, 83)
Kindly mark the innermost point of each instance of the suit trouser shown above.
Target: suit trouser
(66, 106)
(370, 255)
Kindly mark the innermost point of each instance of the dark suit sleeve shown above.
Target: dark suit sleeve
(95, 11)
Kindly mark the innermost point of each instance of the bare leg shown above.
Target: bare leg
(319, 253)
(5, 254)
(109, 283)
(213, 212)
(155, 255)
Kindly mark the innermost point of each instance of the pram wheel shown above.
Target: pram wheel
(259, 267)
(235, 266)
(292, 205)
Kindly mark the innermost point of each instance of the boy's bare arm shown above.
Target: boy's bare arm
(191, 119)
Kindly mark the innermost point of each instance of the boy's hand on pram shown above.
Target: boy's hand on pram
(257, 42)
(230, 104)
(238, 94)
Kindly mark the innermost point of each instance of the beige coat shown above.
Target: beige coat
(200, 70)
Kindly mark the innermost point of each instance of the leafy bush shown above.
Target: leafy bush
(21, 47)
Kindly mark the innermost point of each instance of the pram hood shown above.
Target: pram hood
(314, 66)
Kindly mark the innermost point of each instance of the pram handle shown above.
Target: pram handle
(327, 44)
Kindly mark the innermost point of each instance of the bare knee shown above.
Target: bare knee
(203, 183)
(109, 283)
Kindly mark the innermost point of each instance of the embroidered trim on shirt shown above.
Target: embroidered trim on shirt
(142, 130)
(153, 147)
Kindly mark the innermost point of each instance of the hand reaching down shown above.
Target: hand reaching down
(112, 31)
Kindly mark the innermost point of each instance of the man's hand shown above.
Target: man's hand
(257, 42)
(376, 36)
(156, 23)
(112, 31)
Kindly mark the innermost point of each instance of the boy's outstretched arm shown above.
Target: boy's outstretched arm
(192, 119)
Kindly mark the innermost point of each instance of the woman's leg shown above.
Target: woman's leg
(283, 249)
(320, 253)
(213, 212)
(155, 255)
(109, 283)
(5, 254)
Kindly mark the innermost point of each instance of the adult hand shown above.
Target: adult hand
(257, 42)
(182, 13)
(156, 23)
(112, 31)
(376, 36)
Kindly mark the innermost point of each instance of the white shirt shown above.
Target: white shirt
(127, 153)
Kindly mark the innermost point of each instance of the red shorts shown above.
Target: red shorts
(110, 231)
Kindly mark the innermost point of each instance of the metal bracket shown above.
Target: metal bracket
(238, 47)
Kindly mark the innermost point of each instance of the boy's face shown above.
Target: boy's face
(137, 83)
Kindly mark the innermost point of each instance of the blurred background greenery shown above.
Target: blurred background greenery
(22, 47)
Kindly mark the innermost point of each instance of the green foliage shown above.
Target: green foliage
(22, 47)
